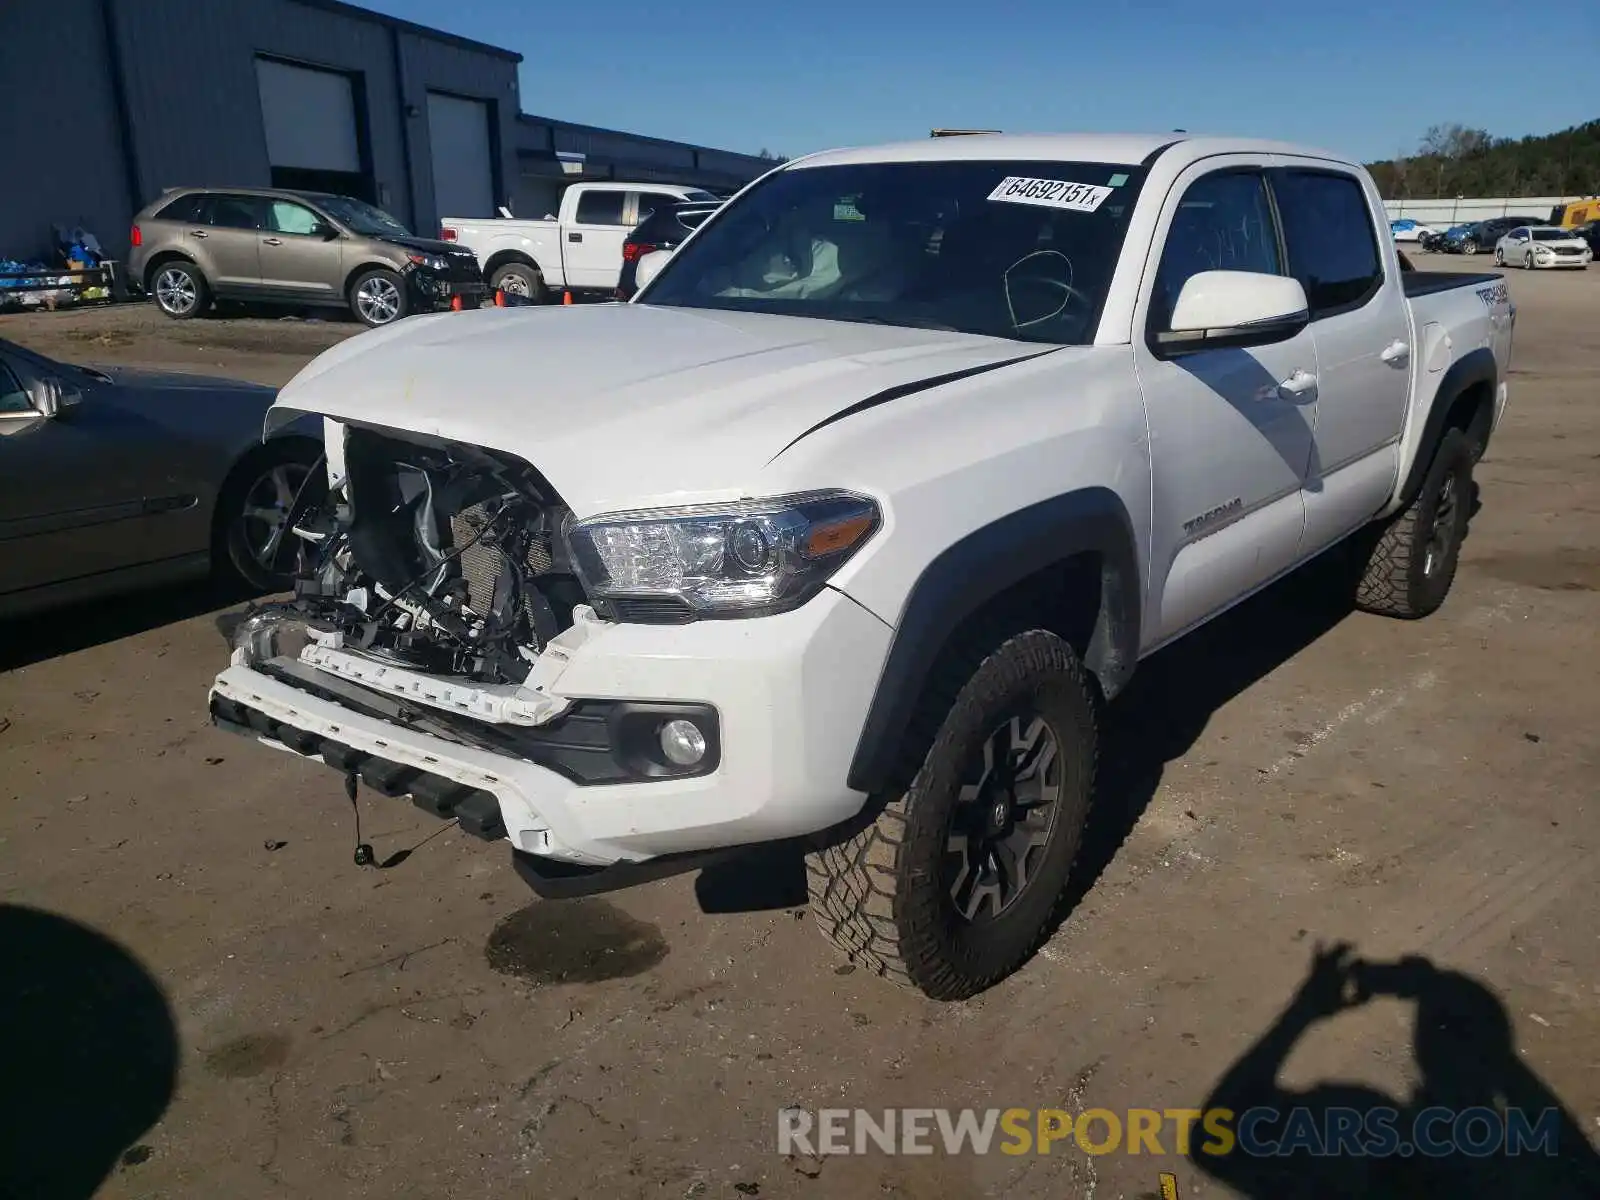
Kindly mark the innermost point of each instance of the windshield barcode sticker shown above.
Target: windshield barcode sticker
(1050, 193)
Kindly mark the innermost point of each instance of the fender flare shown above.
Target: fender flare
(1471, 369)
(977, 569)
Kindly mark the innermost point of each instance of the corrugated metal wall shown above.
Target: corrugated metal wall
(194, 109)
(60, 152)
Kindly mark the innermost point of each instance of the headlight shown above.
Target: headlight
(429, 262)
(742, 559)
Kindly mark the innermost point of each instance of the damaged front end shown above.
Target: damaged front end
(436, 572)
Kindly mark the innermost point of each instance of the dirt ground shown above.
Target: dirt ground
(254, 1016)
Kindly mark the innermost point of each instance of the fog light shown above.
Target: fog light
(683, 743)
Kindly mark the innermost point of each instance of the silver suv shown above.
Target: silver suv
(193, 246)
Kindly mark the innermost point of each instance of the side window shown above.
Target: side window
(236, 212)
(1223, 223)
(14, 397)
(1328, 230)
(184, 208)
(1519, 234)
(600, 208)
(650, 202)
(287, 217)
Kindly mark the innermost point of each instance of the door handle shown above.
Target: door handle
(272, 241)
(199, 233)
(1395, 352)
(1297, 384)
(574, 237)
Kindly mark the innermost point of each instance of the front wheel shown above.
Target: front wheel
(378, 297)
(1527, 261)
(1499, 257)
(963, 874)
(1469, 247)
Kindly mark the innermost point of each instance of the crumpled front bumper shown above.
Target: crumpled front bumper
(790, 694)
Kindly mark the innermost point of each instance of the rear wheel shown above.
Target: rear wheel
(963, 874)
(254, 512)
(180, 290)
(1412, 562)
(378, 297)
(519, 279)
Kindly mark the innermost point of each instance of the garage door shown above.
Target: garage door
(310, 118)
(463, 174)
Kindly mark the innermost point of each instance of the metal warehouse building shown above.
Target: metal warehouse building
(110, 102)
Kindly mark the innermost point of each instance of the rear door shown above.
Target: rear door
(300, 252)
(591, 250)
(1362, 331)
(228, 243)
(1230, 428)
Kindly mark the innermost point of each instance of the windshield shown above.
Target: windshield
(1021, 250)
(361, 217)
(1552, 235)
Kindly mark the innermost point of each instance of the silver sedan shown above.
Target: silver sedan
(116, 479)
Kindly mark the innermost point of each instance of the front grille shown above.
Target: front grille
(464, 267)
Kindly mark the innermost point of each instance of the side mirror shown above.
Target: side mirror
(649, 267)
(329, 233)
(51, 397)
(1235, 308)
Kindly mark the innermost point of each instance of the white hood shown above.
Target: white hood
(620, 404)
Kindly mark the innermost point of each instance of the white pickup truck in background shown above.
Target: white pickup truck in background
(844, 528)
(579, 249)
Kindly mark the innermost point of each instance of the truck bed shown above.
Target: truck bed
(1426, 283)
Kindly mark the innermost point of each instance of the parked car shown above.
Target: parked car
(303, 248)
(663, 229)
(1406, 230)
(711, 606)
(579, 250)
(117, 479)
(1481, 236)
(1539, 246)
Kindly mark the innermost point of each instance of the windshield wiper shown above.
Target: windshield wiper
(902, 322)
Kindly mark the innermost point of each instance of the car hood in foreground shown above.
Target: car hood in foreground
(620, 404)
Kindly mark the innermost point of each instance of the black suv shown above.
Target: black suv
(1480, 238)
(664, 229)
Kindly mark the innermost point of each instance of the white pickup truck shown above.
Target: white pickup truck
(844, 529)
(578, 250)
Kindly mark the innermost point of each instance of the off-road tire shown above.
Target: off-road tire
(525, 281)
(1394, 580)
(878, 893)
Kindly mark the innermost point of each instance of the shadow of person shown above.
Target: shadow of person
(1478, 1123)
(88, 1056)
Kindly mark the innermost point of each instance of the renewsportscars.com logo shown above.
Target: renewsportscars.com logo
(1259, 1132)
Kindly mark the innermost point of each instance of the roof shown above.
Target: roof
(1131, 149)
(423, 31)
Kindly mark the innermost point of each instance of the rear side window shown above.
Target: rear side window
(184, 208)
(1223, 223)
(1327, 227)
(236, 212)
(600, 208)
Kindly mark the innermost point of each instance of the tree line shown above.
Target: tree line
(1454, 160)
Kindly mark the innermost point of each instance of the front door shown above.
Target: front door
(228, 242)
(1230, 428)
(592, 251)
(300, 253)
(1362, 331)
(74, 489)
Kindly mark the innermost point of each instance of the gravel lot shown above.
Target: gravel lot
(273, 1021)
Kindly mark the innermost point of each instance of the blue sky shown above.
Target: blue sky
(1350, 75)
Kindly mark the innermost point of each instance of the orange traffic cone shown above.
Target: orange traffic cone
(456, 304)
(566, 297)
(499, 297)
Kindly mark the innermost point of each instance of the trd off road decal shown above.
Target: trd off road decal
(1207, 519)
(1493, 295)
